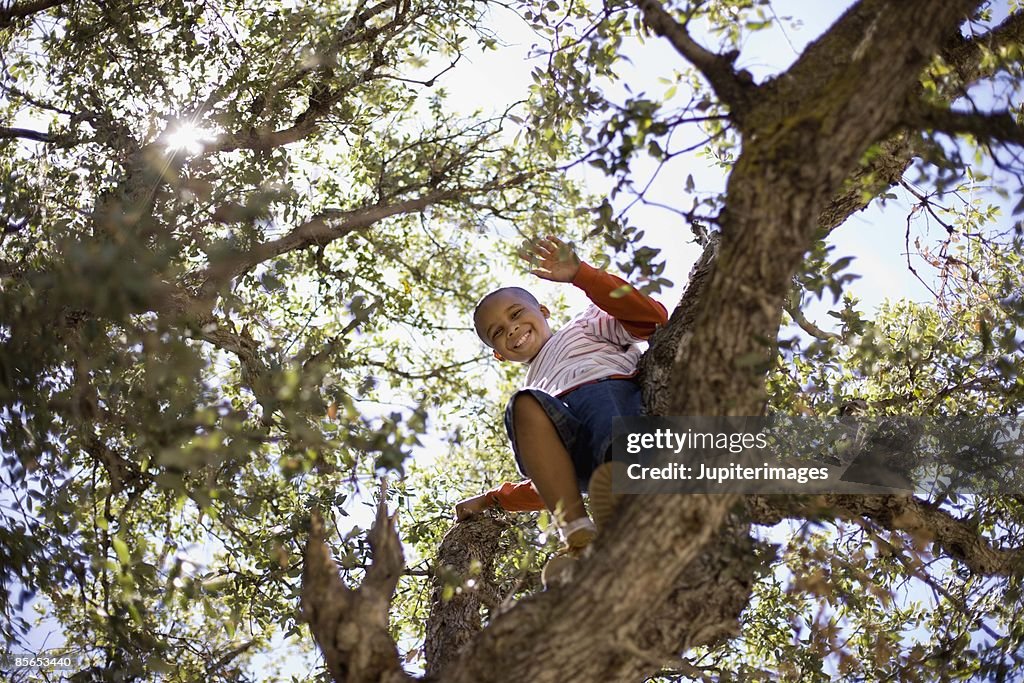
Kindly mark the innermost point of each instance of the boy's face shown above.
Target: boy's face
(513, 326)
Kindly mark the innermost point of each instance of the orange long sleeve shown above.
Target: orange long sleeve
(638, 313)
(517, 497)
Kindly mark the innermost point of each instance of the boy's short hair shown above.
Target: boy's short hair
(525, 294)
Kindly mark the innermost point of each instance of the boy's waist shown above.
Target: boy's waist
(630, 377)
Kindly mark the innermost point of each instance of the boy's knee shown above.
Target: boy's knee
(527, 411)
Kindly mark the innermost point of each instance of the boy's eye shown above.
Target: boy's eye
(515, 313)
(496, 334)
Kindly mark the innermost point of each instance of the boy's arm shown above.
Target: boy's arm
(511, 497)
(516, 497)
(639, 314)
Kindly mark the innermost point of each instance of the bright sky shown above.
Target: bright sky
(489, 81)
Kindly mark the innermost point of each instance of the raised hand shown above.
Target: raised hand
(551, 259)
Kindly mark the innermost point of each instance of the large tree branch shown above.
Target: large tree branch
(732, 87)
(25, 134)
(351, 626)
(959, 538)
(998, 126)
(459, 593)
(18, 10)
(542, 640)
(789, 169)
(62, 140)
(965, 55)
(333, 224)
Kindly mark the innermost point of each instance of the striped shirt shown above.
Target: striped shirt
(592, 346)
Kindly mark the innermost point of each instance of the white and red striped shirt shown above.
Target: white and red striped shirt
(592, 346)
(600, 342)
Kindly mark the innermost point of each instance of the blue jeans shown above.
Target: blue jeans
(583, 420)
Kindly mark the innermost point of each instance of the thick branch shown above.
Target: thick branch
(455, 619)
(960, 539)
(351, 626)
(965, 54)
(331, 225)
(729, 85)
(62, 140)
(25, 134)
(706, 601)
(23, 9)
(789, 169)
(614, 594)
(997, 126)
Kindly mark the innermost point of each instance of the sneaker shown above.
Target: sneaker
(578, 534)
(558, 570)
(603, 502)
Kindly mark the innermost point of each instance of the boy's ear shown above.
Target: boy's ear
(498, 355)
(545, 312)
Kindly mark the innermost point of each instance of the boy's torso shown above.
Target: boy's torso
(590, 347)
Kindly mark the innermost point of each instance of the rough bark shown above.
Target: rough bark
(590, 630)
(351, 626)
(804, 148)
(18, 10)
(467, 550)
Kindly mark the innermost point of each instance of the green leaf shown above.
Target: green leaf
(121, 548)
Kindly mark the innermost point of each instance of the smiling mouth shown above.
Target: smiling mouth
(522, 340)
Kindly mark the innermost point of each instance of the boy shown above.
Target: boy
(580, 377)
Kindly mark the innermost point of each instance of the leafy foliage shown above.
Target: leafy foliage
(201, 339)
(241, 246)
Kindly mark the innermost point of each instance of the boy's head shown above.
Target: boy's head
(512, 322)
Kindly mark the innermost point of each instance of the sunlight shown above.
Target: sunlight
(187, 137)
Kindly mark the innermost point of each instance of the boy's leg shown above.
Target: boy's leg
(596, 406)
(545, 458)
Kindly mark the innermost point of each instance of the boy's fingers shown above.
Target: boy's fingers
(556, 248)
(558, 245)
(545, 243)
(534, 252)
(529, 256)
